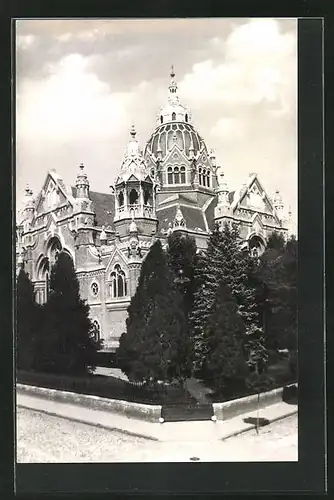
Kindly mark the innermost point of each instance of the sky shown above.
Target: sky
(80, 84)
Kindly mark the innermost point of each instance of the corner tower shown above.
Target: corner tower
(134, 191)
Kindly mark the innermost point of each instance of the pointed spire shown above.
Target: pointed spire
(103, 237)
(29, 201)
(133, 131)
(191, 148)
(82, 183)
(179, 220)
(212, 156)
(173, 97)
(132, 148)
(278, 201)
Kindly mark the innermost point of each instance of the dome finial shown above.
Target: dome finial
(172, 73)
(133, 131)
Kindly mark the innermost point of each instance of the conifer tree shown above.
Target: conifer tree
(223, 262)
(28, 322)
(224, 365)
(155, 346)
(69, 345)
(181, 258)
(278, 273)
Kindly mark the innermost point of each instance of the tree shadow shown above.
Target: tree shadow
(261, 422)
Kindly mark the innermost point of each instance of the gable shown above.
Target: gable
(52, 195)
(255, 198)
(203, 158)
(176, 155)
(133, 178)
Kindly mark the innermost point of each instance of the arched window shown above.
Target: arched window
(118, 285)
(121, 199)
(208, 179)
(176, 175)
(147, 196)
(133, 197)
(200, 177)
(170, 175)
(183, 175)
(96, 330)
(173, 116)
(94, 288)
(161, 119)
(186, 117)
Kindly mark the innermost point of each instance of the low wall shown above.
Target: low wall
(150, 413)
(235, 407)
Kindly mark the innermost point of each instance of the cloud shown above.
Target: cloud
(258, 65)
(24, 42)
(80, 85)
(227, 129)
(70, 103)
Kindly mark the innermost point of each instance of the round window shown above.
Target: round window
(95, 289)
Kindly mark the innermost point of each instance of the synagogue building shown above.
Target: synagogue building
(174, 183)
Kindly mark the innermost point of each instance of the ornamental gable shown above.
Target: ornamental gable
(52, 195)
(176, 155)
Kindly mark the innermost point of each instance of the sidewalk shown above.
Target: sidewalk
(202, 431)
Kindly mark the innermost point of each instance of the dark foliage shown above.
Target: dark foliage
(224, 366)
(181, 258)
(28, 322)
(224, 263)
(278, 301)
(68, 345)
(107, 387)
(155, 346)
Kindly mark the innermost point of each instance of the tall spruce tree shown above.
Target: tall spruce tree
(28, 322)
(155, 346)
(278, 273)
(181, 258)
(225, 366)
(69, 345)
(222, 263)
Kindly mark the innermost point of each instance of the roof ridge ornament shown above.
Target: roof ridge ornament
(179, 220)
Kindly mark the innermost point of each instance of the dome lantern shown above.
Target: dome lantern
(174, 111)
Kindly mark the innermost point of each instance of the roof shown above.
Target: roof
(193, 217)
(210, 211)
(185, 136)
(103, 206)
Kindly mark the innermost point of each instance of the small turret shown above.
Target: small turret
(223, 206)
(103, 237)
(82, 183)
(28, 211)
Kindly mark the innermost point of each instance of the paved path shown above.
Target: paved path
(47, 438)
(166, 432)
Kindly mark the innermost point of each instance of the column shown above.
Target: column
(141, 198)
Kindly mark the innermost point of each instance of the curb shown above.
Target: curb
(253, 426)
(88, 422)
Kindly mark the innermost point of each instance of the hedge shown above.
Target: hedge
(107, 387)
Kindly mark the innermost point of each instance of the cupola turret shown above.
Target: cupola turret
(134, 187)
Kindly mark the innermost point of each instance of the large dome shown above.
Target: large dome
(167, 134)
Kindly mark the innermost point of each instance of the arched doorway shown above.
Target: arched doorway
(54, 246)
(42, 283)
(256, 245)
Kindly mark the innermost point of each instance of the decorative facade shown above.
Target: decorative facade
(174, 184)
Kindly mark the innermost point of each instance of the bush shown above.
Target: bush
(107, 387)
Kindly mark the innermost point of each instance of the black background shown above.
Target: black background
(308, 475)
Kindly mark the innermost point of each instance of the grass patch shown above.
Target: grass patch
(107, 387)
